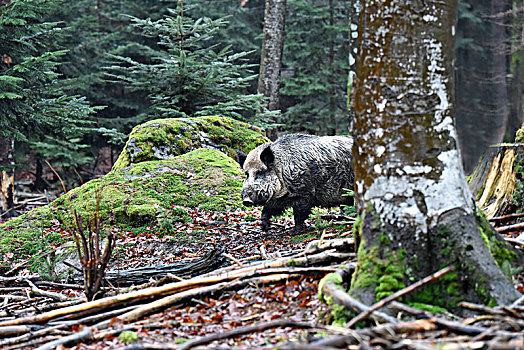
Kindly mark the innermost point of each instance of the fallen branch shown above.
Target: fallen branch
(506, 217)
(269, 276)
(244, 330)
(209, 262)
(510, 228)
(158, 292)
(399, 294)
(40, 292)
(342, 298)
(85, 335)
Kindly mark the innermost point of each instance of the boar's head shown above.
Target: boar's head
(262, 182)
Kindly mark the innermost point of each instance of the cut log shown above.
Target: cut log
(494, 182)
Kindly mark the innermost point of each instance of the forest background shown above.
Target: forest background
(77, 76)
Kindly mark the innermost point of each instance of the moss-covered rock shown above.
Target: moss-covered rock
(136, 196)
(167, 138)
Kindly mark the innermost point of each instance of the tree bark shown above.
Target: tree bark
(482, 67)
(500, 50)
(271, 59)
(353, 47)
(417, 214)
(7, 177)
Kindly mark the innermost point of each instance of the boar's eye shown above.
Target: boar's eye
(260, 173)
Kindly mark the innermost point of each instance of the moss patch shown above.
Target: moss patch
(137, 196)
(498, 249)
(167, 138)
(385, 273)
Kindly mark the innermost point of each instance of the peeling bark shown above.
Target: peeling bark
(271, 58)
(417, 212)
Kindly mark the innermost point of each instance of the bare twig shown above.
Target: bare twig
(399, 294)
(55, 296)
(244, 330)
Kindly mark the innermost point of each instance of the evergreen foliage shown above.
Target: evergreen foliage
(95, 30)
(316, 67)
(186, 73)
(33, 105)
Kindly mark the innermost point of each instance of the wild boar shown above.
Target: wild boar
(298, 171)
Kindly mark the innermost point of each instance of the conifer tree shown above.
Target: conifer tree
(316, 66)
(184, 72)
(33, 106)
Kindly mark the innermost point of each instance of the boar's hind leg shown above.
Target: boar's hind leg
(267, 213)
(301, 212)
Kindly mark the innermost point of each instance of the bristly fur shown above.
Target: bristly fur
(298, 171)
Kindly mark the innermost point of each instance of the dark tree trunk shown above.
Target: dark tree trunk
(353, 46)
(331, 127)
(39, 184)
(271, 60)
(482, 68)
(500, 52)
(417, 214)
(7, 177)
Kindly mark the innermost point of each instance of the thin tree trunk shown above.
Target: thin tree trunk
(417, 214)
(7, 177)
(353, 46)
(271, 60)
(500, 50)
(331, 127)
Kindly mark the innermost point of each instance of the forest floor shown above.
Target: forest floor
(261, 293)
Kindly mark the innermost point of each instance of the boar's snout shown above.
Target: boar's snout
(251, 198)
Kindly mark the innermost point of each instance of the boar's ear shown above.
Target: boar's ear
(267, 157)
(241, 157)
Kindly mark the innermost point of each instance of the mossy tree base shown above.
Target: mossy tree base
(392, 257)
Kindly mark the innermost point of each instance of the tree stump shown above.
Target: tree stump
(496, 182)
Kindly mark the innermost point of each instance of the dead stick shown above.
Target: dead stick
(482, 308)
(245, 330)
(48, 330)
(171, 288)
(515, 241)
(508, 228)
(342, 298)
(84, 335)
(399, 294)
(509, 216)
(40, 292)
(518, 302)
(148, 309)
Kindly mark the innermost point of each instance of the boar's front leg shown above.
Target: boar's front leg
(301, 211)
(267, 213)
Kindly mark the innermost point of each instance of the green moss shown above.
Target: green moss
(136, 196)
(443, 292)
(128, 337)
(340, 315)
(386, 274)
(498, 249)
(334, 278)
(384, 239)
(484, 295)
(434, 309)
(168, 138)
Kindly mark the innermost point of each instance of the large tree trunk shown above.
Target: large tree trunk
(417, 213)
(271, 60)
(7, 177)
